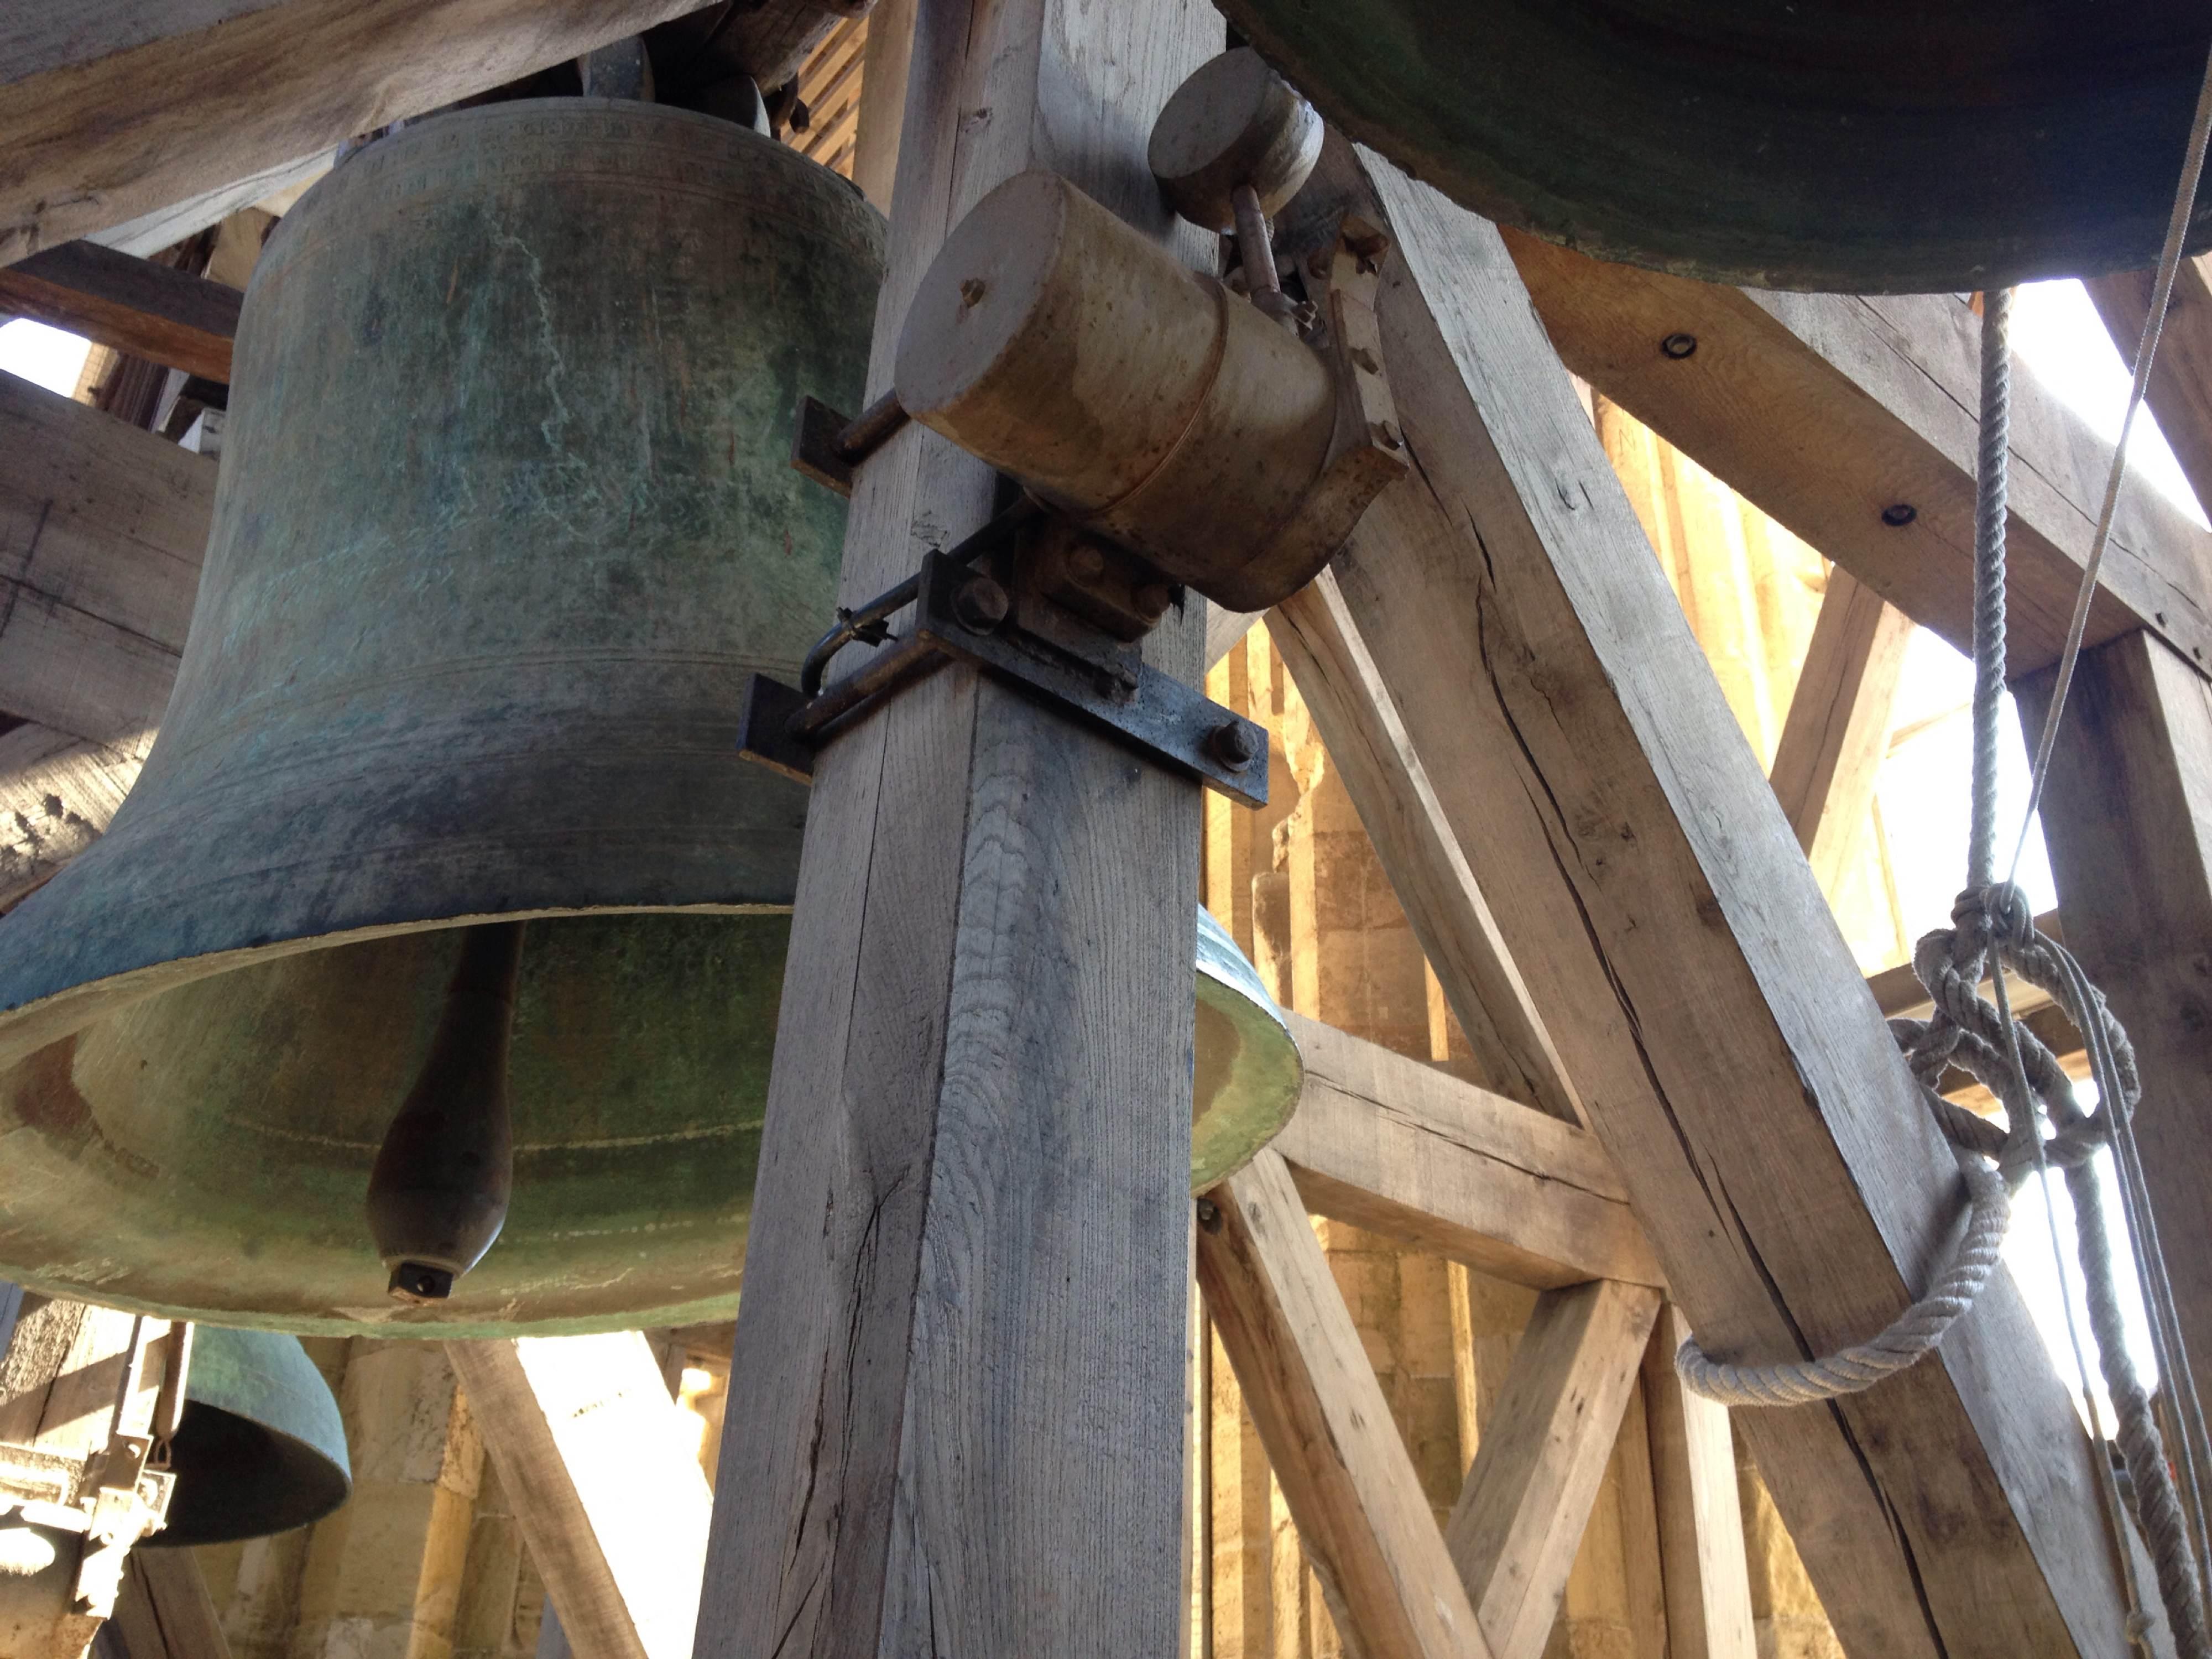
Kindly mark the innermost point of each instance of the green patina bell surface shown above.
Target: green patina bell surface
(1883, 146)
(505, 518)
(260, 1448)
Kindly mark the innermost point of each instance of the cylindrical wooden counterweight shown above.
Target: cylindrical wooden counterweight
(1163, 412)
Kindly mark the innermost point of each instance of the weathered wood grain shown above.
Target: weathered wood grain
(150, 310)
(1700, 1523)
(2180, 390)
(1361, 1514)
(1411, 1153)
(963, 1333)
(1398, 807)
(1519, 1519)
(1836, 735)
(601, 1466)
(1652, 894)
(2127, 817)
(222, 90)
(164, 1611)
(101, 531)
(1824, 409)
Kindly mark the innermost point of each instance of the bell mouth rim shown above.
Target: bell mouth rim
(32, 1025)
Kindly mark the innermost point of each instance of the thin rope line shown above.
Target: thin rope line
(2169, 266)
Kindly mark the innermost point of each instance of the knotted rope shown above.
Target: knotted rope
(1993, 930)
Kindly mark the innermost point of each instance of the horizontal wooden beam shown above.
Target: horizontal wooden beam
(1829, 411)
(1409, 1151)
(1362, 1516)
(110, 109)
(102, 527)
(134, 305)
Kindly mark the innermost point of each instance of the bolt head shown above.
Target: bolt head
(1231, 744)
(980, 605)
(1678, 346)
(1897, 514)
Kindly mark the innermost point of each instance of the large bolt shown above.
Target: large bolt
(1231, 742)
(980, 605)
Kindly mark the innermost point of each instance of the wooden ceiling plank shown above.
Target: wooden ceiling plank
(1362, 1516)
(221, 90)
(1826, 411)
(1545, 1442)
(1654, 898)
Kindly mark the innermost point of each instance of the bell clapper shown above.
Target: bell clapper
(438, 1194)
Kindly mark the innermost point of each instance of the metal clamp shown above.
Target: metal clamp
(964, 612)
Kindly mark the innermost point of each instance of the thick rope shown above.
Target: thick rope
(1989, 492)
(1994, 929)
(1921, 1327)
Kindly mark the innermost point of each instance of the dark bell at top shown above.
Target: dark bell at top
(1885, 146)
(427, 982)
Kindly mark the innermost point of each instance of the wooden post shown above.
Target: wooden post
(961, 1345)
(610, 1498)
(1650, 891)
(1701, 1548)
(2127, 817)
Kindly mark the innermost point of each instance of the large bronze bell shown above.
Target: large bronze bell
(1885, 146)
(505, 521)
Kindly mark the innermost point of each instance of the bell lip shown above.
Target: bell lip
(1268, 1075)
(30, 1026)
(1268, 1070)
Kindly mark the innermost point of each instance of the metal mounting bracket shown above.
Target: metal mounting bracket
(964, 613)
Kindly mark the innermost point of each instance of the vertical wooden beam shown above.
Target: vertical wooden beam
(611, 1496)
(1701, 1549)
(1360, 1511)
(2127, 817)
(2180, 390)
(961, 1345)
(164, 1611)
(1837, 732)
(1519, 1519)
(1755, 1104)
